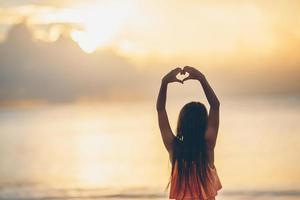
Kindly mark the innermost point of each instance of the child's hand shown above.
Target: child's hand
(192, 73)
(171, 76)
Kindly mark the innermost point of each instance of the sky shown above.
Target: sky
(68, 50)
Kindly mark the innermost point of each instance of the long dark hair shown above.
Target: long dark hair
(189, 146)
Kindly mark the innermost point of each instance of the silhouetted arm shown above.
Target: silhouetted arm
(213, 116)
(214, 113)
(163, 121)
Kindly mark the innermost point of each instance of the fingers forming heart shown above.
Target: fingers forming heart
(182, 76)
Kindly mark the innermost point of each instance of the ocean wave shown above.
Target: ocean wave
(23, 192)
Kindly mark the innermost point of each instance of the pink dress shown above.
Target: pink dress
(196, 192)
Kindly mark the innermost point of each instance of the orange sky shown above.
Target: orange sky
(167, 28)
(245, 47)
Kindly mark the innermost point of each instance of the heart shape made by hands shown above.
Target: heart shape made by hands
(182, 76)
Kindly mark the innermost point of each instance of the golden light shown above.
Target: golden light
(89, 149)
(101, 24)
(138, 29)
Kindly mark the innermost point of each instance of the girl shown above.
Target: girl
(191, 151)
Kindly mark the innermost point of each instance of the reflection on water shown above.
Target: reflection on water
(115, 151)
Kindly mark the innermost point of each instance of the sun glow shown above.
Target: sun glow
(101, 24)
(148, 30)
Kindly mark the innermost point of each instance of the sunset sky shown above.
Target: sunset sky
(79, 81)
(253, 43)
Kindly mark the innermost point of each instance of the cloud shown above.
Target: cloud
(38, 2)
(61, 71)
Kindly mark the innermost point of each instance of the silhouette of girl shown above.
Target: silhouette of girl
(191, 151)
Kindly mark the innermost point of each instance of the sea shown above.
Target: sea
(113, 150)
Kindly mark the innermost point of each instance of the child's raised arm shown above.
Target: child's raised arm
(163, 121)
